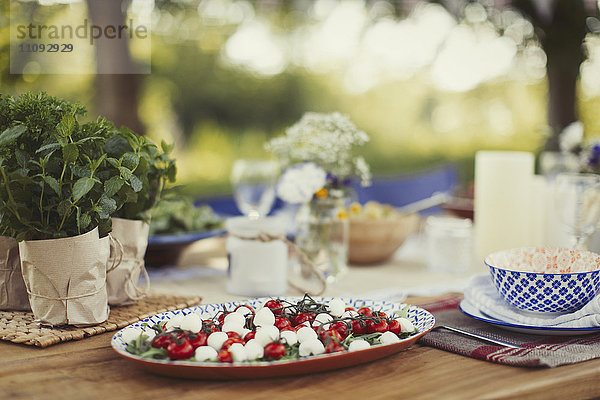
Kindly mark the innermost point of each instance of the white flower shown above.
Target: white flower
(299, 183)
(571, 136)
(328, 140)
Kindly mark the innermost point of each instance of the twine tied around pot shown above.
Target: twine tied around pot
(267, 237)
(130, 286)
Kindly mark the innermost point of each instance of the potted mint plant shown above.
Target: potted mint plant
(135, 174)
(54, 204)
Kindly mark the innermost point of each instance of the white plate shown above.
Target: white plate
(472, 311)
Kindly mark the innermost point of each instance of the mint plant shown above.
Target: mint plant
(59, 178)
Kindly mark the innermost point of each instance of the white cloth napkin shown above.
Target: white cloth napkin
(482, 293)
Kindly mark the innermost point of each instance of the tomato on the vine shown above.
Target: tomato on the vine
(303, 317)
(365, 311)
(198, 339)
(162, 341)
(282, 323)
(394, 326)
(349, 309)
(224, 356)
(373, 326)
(180, 350)
(359, 327)
(249, 336)
(341, 327)
(379, 314)
(275, 306)
(274, 351)
(209, 326)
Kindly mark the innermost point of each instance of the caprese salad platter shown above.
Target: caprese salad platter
(270, 337)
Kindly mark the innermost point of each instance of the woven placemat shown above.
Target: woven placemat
(19, 326)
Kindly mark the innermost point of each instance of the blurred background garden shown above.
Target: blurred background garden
(431, 82)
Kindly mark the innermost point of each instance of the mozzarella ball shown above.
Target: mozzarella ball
(216, 340)
(266, 335)
(336, 307)
(306, 333)
(191, 322)
(239, 329)
(254, 349)
(243, 311)
(358, 344)
(290, 337)
(388, 338)
(174, 322)
(264, 317)
(129, 335)
(322, 320)
(205, 353)
(234, 319)
(311, 347)
(406, 325)
(238, 352)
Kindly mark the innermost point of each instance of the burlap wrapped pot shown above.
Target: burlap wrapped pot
(66, 279)
(126, 268)
(13, 295)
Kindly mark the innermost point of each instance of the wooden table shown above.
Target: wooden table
(89, 369)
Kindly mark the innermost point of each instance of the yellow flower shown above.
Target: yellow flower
(342, 214)
(321, 193)
(355, 208)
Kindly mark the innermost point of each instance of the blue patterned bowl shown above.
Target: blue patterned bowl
(545, 279)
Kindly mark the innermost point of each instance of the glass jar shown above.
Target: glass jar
(449, 244)
(323, 232)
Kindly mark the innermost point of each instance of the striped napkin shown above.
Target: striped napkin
(536, 351)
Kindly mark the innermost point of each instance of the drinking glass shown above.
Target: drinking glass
(577, 201)
(254, 186)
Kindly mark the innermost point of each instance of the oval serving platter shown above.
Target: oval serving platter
(421, 319)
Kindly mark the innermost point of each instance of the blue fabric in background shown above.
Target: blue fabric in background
(397, 190)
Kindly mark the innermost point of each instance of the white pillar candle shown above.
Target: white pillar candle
(503, 201)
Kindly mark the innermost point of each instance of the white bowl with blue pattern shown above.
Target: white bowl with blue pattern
(545, 279)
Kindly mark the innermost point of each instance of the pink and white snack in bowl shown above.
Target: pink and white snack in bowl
(545, 279)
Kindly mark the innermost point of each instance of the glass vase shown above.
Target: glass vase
(323, 232)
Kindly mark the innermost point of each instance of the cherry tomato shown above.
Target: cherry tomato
(162, 341)
(349, 309)
(379, 314)
(209, 326)
(373, 326)
(227, 344)
(249, 336)
(275, 306)
(180, 350)
(231, 334)
(282, 323)
(359, 327)
(221, 317)
(333, 347)
(224, 356)
(330, 335)
(198, 339)
(274, 351)
(365, 311)
(341, 327)
(395, 326)
(303, 317)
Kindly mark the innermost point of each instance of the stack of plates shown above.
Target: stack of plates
(473, 311)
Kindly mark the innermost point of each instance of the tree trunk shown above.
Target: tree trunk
(116, 92)
(561, 34)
